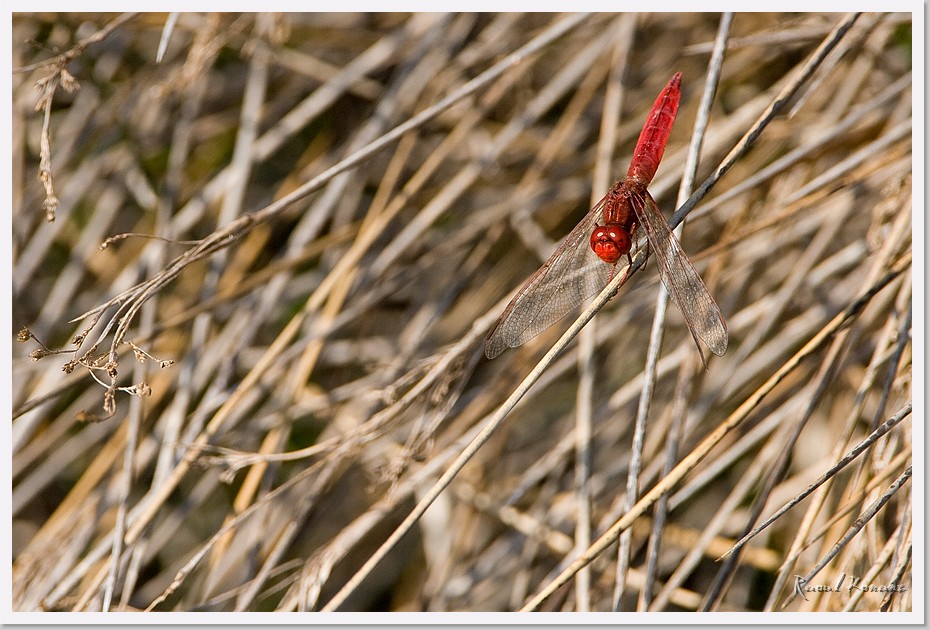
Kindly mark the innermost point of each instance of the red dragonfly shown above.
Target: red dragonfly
(587, 259)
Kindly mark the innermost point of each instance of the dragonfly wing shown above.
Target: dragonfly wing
(682, 281)
(572, 273)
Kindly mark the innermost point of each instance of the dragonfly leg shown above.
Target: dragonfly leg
(633, 234)
(613, 270)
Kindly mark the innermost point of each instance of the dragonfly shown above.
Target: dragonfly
(587, 259)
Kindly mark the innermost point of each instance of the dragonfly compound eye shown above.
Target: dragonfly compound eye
(610, 242)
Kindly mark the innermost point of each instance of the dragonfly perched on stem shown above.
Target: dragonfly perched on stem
(587, 259)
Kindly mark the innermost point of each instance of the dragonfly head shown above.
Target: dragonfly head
(610, 242)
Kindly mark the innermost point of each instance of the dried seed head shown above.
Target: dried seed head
(50, 205)
(68, 82)
(24, 335)
(39, 353)
(142, 389)
(109, 402)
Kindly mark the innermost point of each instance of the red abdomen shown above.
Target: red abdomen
(652, 139)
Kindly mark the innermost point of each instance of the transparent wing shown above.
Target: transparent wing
(572, 273)
(684, 284)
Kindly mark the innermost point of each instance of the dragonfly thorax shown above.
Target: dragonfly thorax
(611, 242)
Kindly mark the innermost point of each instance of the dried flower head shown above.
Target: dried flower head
(68, 82)
(39, 353)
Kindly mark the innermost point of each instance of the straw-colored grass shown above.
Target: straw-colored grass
(259, 395)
